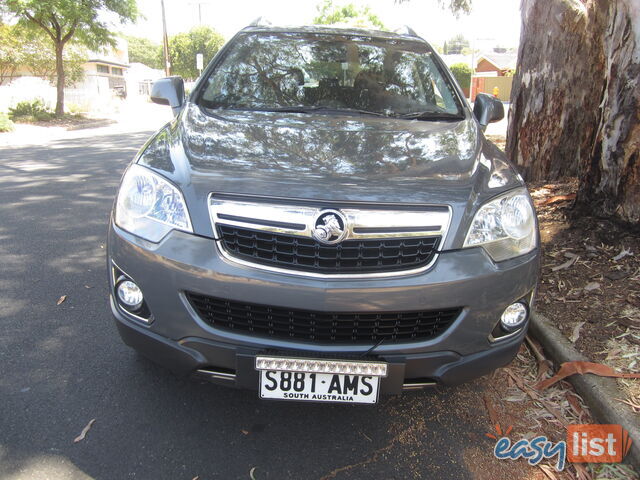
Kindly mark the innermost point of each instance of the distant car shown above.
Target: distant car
(323, 220)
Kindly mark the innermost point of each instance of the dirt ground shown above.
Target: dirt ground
(70, 122)
(590, 283)
(518, 410)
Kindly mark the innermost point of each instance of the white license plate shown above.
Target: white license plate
(320, 386)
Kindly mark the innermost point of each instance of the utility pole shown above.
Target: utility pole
(165, 42)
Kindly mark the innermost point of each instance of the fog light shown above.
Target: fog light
(513, 316)
(130, 294)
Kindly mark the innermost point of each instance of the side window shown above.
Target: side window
(439, 91)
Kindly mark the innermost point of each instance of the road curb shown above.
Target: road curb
(598, 392)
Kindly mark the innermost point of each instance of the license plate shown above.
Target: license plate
(319, 380)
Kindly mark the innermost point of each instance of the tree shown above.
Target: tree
(348, 14)
(456, 7)
(64, 20)
(456, 44)
(184, 47)
(463, 73)
(29, 48)
(39, 57)
(10, 53)
(575, 101)
(143, 50)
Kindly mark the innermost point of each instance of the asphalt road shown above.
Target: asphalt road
(61, 366)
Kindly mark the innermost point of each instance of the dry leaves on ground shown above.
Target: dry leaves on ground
(571, 368)
(83, 434)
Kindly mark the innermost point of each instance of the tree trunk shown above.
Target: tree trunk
(610, 179)
(557, 86)
(575, 98)
(60, 76)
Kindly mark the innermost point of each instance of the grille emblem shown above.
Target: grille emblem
(330, 227)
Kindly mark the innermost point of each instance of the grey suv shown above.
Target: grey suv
(323, 220)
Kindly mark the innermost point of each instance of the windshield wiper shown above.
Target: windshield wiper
(318, 108)
(431, 115)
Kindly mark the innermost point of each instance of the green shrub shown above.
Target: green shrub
(76, 108)
(6, 125)
(31, 110)
(463, 73)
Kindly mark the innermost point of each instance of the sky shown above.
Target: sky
(491, 23)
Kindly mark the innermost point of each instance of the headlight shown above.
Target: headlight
(505, 226)
(149, 206)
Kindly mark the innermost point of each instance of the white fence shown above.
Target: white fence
(92, 95)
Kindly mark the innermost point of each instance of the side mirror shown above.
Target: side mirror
(487, 109)
(169, 91)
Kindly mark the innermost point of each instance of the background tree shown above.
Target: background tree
(10, 53)
(347, 14)
(64, 20)
(576, 98)
(456, 44)
(143, 50)
(39, 57)
(184, 47)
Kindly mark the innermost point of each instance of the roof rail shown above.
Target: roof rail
(260, 22)
(406, 30)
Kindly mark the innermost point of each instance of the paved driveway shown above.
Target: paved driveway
(61, 366)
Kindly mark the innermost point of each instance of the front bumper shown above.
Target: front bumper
(178, 339)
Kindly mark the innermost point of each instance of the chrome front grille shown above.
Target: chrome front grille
(282, 235)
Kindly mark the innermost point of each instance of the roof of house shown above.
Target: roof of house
(502, 61)
(108, 62)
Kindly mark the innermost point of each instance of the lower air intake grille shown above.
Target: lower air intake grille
(322, 327)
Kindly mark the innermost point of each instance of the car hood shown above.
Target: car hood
(327, 158)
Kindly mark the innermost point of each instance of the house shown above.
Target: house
(139, 79)
(496, 64)
(105, 71)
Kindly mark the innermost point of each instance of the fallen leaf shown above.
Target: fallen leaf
(571, 368)
(61, 299)
(492, 411)
(576, 332)
(628, 322)
(80, 437)
(543, 364)
(251, 472)
(623, 253)
(617, 275)
(548, 471)
(591, 286)
(566, 264)
(558, 198)
(574, 403)
(635, 407)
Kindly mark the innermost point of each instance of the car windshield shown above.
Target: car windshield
(300, 72)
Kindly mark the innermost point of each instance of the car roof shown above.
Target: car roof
(332, 30)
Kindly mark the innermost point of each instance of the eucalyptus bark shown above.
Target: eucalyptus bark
(575, 99)
(610, 179)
